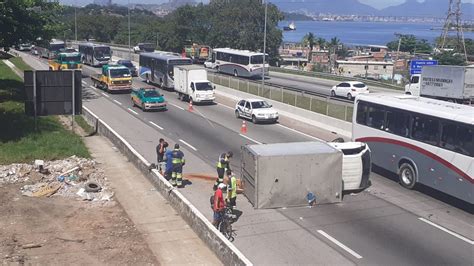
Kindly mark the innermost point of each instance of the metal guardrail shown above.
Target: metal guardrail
(335, 77)
(311, 101)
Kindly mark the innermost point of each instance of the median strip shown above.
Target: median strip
(335, 241)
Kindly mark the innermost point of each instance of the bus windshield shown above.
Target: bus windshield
(119, 73)
(258, 59)
(71, 59)
(101, 52)
(203, 86)
(56, 47)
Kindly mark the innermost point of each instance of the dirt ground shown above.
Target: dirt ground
(59, 230)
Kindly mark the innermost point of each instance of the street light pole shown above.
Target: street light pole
(264, 44)
(129, 52)
(75, 23)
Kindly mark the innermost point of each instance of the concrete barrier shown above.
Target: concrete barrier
(338, 126)
(222, 247)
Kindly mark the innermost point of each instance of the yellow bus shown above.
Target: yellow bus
(65, 61)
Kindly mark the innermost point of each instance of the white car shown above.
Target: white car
(256, 110)
(349, 89)
(209, 64)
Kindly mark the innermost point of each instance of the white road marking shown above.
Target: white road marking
(155, 125)
(132, 111)
(106, 95)
(335, 241)
(118, 102)
(304, 134)
(228, 107)
(179, 107)
(245, 137)
(92, 87)
(187, 144)
(447, 231)
(84, 83)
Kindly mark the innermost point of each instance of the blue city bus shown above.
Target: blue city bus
(158, 68)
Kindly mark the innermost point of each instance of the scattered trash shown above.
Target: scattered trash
(28, 246)
(311, 198)
(72, 177)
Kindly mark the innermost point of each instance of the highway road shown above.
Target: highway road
(385, 225)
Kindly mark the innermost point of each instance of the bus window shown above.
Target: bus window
(448, 137)
(425, 129)
(376, 117)
(465, 140)
(361, 113)
(397, 123)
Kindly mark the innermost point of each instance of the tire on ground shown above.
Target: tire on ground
(92, 186)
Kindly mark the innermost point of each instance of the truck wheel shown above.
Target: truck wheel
(407, 175)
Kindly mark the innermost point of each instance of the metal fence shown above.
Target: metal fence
(300, 99)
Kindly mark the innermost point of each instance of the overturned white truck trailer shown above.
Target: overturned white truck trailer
(282, 174)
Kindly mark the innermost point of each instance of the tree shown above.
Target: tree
(409, 43)
(309, 40)
(450, 58)
(321, 43)
(27, 20)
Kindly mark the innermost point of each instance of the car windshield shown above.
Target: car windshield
(203, 86)
(359, 85)
(260, 104)
(151, 93)
(126, 63)
(119, 73)
(100, 52)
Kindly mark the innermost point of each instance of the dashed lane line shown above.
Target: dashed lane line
(118, 102)
(132, 111)
(187, 144)
(245, 137)
(296, 131)
(177, 106)
(335, 241)
(106, 95)
(447, 231)
(155, 125)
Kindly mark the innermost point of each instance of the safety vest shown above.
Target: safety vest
(233, 183)
(177, 157)
(220, 164)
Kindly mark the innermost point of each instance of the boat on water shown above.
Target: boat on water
(290, 27)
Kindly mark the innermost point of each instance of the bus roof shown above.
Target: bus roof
(69, 53)
(93, 44)
(164, 56)
(56, 41)
(422, 105)
(236, 52)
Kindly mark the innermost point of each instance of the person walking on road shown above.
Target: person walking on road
(160, 150)
(232, 189)
(178, 163)
(219, 204)
(223, 165)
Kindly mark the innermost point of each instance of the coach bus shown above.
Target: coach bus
(240, 63)
(49, 49)
(95, 54)
(423, 140)
(158, 68)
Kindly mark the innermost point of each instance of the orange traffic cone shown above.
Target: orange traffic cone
(190, 108)
(243, 128)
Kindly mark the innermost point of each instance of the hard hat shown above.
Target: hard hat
(176, 146)
(221, 186)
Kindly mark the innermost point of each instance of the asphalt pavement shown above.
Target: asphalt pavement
(365, 228)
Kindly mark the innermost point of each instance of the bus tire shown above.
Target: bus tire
(407, 175)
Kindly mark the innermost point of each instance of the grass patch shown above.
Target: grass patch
(253, 89)
(337, 111)
(20, 64)
(79, 119)
(289, 98)
(303, 102)
(318, 106)
(19, 142)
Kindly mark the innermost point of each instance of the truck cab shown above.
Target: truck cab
(191, 83)
(113, 78)
(65, 61)
(202, 91)
(413, 88)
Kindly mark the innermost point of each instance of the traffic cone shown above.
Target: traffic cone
(243, 128)
(190, 108)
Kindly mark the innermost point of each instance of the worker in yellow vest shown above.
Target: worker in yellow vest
(232, 190)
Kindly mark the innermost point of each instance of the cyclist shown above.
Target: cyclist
(219, 204)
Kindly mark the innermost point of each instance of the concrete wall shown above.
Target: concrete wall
(221, 246)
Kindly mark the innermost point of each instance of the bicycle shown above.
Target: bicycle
(225, 224)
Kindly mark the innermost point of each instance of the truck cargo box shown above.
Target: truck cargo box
(447, 82)
(282, 174)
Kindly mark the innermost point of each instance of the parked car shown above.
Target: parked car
(349, 89)
(256, 110)
(148, 99)
(130, 66)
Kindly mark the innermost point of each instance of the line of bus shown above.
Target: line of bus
(423, 140)
(65, 61)
(158, 68)
(240, 63)
(49, 49)
(95, 54)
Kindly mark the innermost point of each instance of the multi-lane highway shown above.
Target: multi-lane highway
(385, 225)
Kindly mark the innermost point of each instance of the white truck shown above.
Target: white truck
(452, 83)
(190, 82)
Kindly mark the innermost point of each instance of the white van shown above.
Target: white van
(356, 165)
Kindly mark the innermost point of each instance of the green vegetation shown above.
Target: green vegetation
(409, 43)
(19, 142)
(19, 63)
(450, 58)
(27, 20)
(79, 119)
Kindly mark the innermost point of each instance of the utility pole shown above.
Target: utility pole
(75, 23)
(264, 44)
(129, 52)
(398, 54)
(453, 18)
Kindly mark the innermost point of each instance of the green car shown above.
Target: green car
(148, 99)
